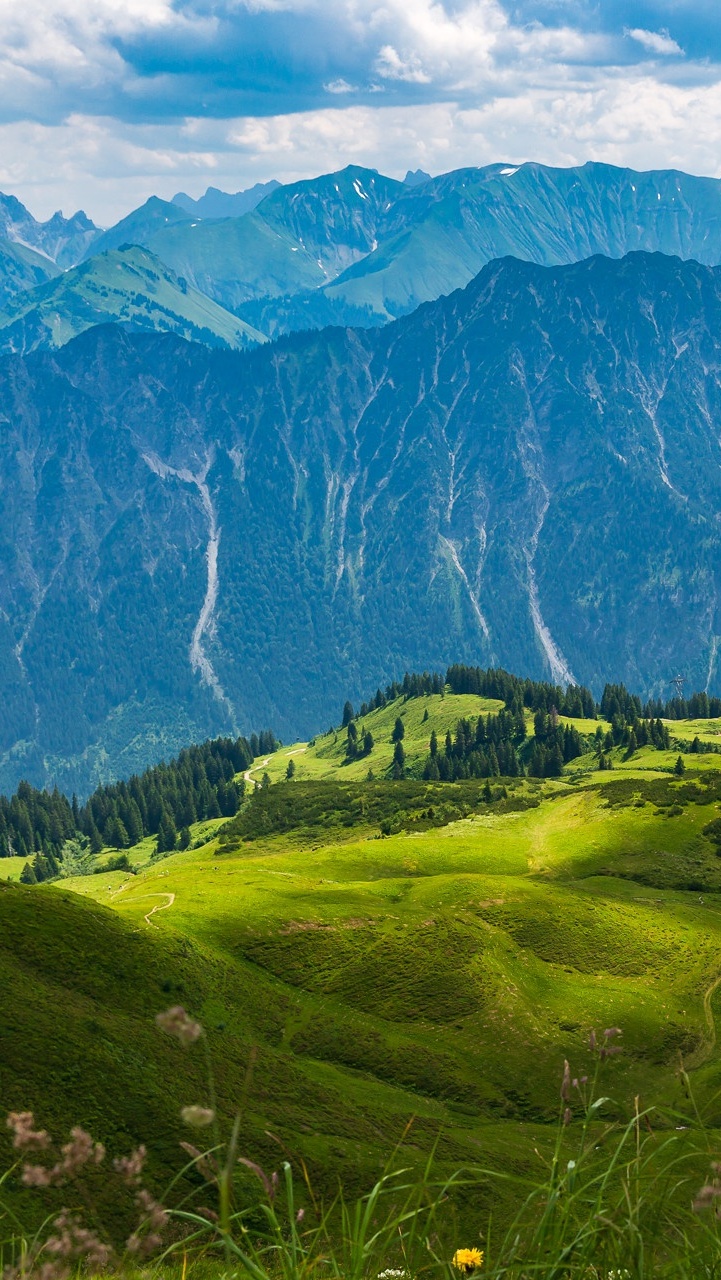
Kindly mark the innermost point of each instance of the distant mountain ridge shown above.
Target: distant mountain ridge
(526, 472)
(358, 248)
(63, 240)
(223, 204)
(128, 285)
(355, 247)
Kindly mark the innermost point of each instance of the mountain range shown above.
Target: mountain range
(525, 472)
(355, 247)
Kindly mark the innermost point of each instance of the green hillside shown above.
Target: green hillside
(391, 949)
(22, 268)
(128, 286)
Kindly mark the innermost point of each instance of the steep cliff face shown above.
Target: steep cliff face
(526, 472)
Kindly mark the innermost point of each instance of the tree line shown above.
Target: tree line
(576, 701)
(164, 802)
(496, 746)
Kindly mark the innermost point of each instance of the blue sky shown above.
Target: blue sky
(103, 102)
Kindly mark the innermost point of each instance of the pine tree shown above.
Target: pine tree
(167, 835)
(115, 834)
(96, 840)
(133, 822)
(679, 766)
(290, 771)
(27, 875)
(399, 760)
(348, 714)
(433, 745)
(184, 839)
(368, 743)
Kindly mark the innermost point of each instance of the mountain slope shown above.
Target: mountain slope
(140, 226)
(128, 285)
(446, 230)
(299, 237)
(443, 971)
(526, 472)
(356, 247)
(22, 269)
(62, 240)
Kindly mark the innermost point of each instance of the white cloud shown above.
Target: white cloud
(655, 41)
(109, 167)
(391, 66)
(339, 86)
(106, 101)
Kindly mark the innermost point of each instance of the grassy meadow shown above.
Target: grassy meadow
(383, 952)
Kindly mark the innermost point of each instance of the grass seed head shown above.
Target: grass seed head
(566, 1082)
(25, 1137)
(197, 1117)
(131, 1167)
(178, 1023)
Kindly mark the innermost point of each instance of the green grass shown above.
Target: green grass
(10, 868)
(326, 755)
(442, 971)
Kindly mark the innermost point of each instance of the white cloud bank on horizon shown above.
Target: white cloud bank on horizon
(104, 102)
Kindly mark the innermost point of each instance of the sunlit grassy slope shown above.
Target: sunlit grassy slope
(325, 755)
(443, 971)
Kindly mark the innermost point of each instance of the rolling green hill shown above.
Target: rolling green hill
(391, 948)
(127, 286)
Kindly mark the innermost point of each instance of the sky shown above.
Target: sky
(106, 102)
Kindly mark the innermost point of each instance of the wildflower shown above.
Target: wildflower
(300, 1215)
(36, 1175)
(393, 1273)
(73, 1240)
(154, 1217)
(204, 1162)
(130, 1167)
(567, 1116)
(606, 1049)
(81, 1150)
(566, 1082)
(705, 1197)
(179, 1024)
(25, 1138)
(197, 1117)
(467, 1260)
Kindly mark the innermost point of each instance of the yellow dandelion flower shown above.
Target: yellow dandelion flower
(467, 1260)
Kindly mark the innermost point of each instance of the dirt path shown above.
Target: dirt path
(247, 775)
(163, 906)
(703, 1053)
